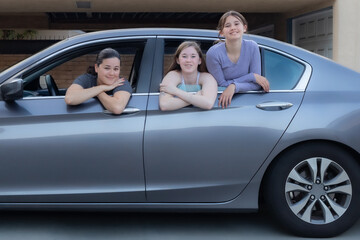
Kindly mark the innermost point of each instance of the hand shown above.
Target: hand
(116, 84)
(263, 82)
(167, 88)
(226, 96)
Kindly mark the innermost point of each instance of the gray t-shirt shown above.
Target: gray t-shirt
(88, 81)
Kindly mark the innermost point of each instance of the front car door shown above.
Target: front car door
(51, 152)
(192, 155)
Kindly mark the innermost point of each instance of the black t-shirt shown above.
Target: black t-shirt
(88, 81)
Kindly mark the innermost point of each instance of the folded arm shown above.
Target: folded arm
(172, 98)
(167, 101)
(76, 94)
(116, 103)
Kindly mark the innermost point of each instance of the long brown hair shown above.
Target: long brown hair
(175, 66)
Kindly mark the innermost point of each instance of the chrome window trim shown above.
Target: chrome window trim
(156, 94)
(42, 97)
(69, 48)
(249, 92)
(187, 37)
(300, 86)
(62, 97)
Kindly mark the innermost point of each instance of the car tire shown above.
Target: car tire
(324, 204)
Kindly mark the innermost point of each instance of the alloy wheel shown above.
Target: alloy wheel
(318, 190)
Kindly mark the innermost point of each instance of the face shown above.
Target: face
(189, 60)
(108, 71)
(233, 28)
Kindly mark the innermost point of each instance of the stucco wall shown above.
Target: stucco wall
(346, 40)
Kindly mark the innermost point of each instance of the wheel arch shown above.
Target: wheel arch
(353, 152)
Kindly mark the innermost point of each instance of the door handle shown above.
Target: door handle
(131, 110)
(274, 106)
(126, 111)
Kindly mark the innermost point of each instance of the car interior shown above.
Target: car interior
(55, 76)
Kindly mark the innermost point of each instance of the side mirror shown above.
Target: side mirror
(12, 91)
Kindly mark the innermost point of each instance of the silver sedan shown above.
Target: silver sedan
(294, 151)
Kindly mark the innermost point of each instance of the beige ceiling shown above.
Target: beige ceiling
(36, 6)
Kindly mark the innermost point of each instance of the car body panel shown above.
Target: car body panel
(330, 108)
(59, 153)
(193, 155)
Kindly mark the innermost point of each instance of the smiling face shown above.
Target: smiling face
(189, 60)
(233, 28)
(108, 71)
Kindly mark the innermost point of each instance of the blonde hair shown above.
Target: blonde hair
(175, 66)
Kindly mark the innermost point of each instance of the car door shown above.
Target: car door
(193, 155)
(51, 152)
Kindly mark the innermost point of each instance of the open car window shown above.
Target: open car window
(282, 72)
(67, 66)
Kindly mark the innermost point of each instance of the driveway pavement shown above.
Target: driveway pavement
(134, 226)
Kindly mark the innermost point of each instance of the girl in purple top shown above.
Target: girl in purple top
(235, 63)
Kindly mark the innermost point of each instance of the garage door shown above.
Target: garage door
(314, 32)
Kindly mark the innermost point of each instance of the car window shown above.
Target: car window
(65, 73)
(282, 72)
(65, 68)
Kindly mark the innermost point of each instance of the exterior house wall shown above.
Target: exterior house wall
(347, 33)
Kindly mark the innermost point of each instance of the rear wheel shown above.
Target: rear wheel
(313, 190)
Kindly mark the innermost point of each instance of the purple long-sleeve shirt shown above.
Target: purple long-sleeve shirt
(241, 73)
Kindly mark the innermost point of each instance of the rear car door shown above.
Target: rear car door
(192, 155)
(51, 152)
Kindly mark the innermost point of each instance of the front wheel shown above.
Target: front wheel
(313, 190)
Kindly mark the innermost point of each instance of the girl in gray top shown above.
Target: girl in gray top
(112, 91)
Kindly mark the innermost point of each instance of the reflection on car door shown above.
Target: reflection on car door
(192, 155)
